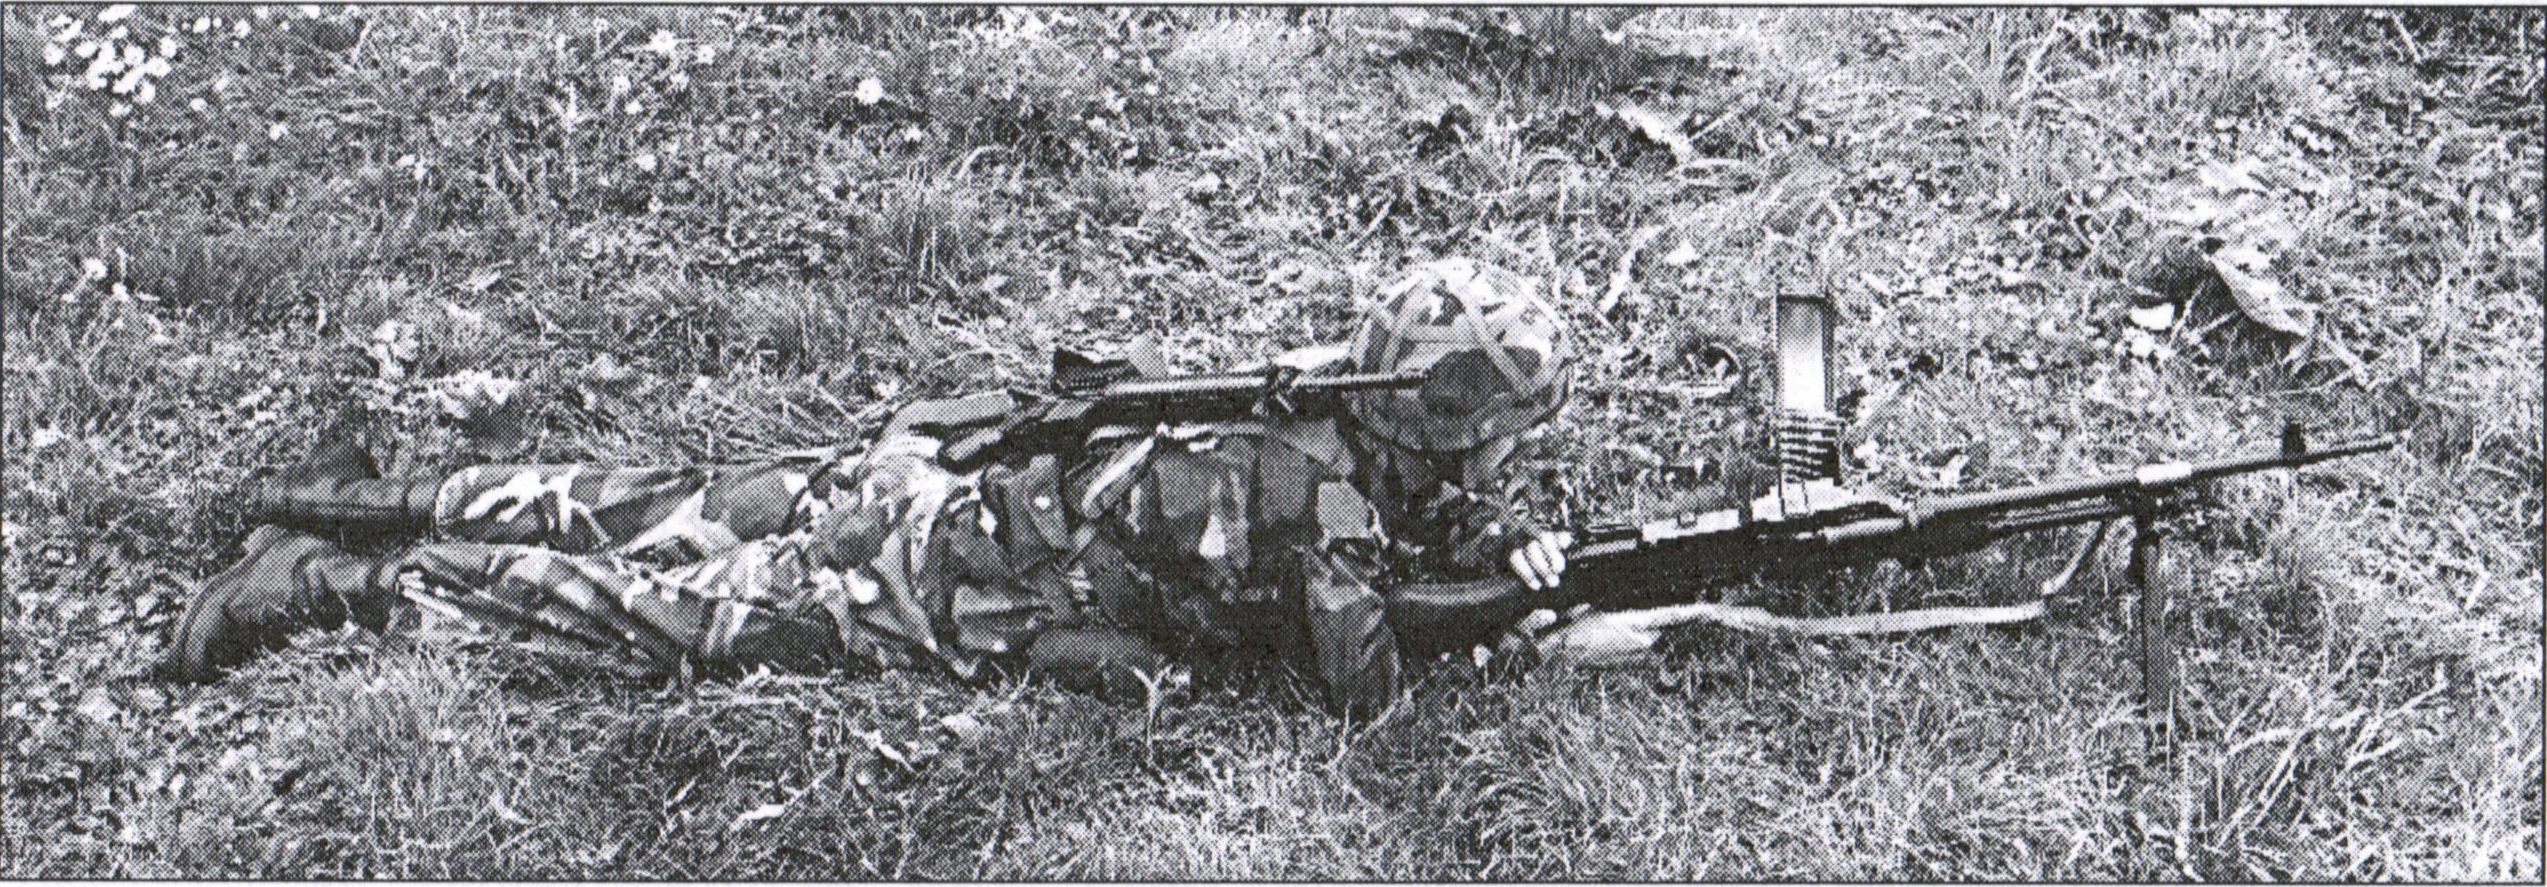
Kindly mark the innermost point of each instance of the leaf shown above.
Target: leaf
(1654, 127)
(2140, 343)
(2232, 178)
(964, 726)
(664, 43)
(504, 811)
(2246, 258)
(1636, 451)
(483, 280)
(756, 814)
(96, 706)
(2259, 298)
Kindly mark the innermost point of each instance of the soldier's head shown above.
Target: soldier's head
(1500, 357)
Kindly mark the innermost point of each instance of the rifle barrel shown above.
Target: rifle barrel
(1250, 384)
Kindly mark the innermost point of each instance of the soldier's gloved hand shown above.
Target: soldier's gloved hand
(1540, 562)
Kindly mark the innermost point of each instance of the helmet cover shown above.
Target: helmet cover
(1500, 356)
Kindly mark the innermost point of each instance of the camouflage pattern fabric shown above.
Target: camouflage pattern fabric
(1231, 535)
(881, 555)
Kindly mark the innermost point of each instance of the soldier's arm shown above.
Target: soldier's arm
(1468, 535)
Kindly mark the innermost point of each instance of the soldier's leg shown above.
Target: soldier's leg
(289, 582)
(285, 583)
(653, 614)
(675, 513)
(670, 513)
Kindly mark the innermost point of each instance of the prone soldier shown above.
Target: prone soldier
(1272, 534)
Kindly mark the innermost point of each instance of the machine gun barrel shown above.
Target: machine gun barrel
(2152, 478)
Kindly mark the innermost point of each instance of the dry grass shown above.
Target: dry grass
(1982, 190)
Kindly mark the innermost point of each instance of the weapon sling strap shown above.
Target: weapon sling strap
(1758, 620)
(2156, 619)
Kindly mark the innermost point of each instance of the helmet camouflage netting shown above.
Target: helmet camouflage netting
(1501, 357)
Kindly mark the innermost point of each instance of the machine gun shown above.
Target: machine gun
(1092, 394)
(1810, 526)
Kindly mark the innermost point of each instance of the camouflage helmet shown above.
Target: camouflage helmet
(1501, 357)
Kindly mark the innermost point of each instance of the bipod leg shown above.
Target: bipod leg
(2158, 616)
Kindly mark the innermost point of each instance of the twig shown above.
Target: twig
(1622, 278)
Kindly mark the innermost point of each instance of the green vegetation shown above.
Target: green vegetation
(637, 235)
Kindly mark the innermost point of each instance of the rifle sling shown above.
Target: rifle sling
(1758, 620)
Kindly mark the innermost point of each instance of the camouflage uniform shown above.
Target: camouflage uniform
(1257, 534)
(1231, 535)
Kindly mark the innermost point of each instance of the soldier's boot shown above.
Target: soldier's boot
(285, 583)
(340, 488)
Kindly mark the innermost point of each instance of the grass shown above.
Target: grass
(747, 237)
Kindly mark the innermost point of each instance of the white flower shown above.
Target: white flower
(168, 46)
(116, 13)
(54, 55)
(200, 25)
(276, 132)
(198, 105)
(147, 91)
(241, 30)
(119, 109)
(635, 107)
(85, 49)
(679, 79)
(646, 162)
(311, 10)
(664, 44)
(92, 269)
(707, 54)
(870, 91)
(619, 84)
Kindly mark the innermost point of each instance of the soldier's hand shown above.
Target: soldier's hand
(1540, 562)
